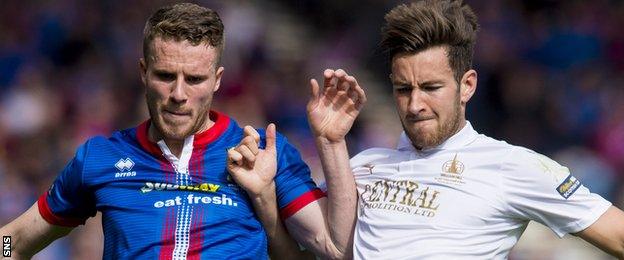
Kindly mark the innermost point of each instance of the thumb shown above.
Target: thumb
(270, 138)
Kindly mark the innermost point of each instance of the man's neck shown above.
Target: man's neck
(174, 145)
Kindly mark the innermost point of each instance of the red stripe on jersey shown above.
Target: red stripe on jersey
(301, 202)
(197, 234)
(142, 136)
(169, 224)
(196, 169)
(206, 137)
(50, 217)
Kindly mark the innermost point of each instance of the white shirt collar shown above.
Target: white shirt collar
(462, 138)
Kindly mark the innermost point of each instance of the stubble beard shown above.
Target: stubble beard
(423, 139)
(169, 132)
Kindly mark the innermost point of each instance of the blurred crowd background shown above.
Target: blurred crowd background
(550, 78)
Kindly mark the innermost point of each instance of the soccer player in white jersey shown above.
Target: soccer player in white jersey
(446, 192)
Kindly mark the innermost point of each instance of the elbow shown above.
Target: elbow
(335, 253)
(328, 250)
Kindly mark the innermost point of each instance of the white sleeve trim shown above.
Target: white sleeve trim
(584, 223)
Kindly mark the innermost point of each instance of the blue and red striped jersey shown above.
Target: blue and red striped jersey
(154, 204)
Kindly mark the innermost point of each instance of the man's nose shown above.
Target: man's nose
(178, 93)
(417, 102)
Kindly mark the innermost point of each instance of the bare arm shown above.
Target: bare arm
(332, 111)
(607, 233)
(254, 169)
(30, 233)
(324, 226)
(281, 245)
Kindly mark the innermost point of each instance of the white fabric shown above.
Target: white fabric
(184, 212)
(469, 198)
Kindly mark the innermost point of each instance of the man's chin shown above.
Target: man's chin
(170, 132)
(423, 139)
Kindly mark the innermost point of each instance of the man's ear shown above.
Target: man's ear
(468, 86)
(218, 79)
(143, 70)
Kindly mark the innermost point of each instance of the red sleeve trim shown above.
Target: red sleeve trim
(50, 217)
(301, 202)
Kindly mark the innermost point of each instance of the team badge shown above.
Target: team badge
(452, 172)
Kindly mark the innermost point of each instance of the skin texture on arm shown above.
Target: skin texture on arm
(332, 111)
(281, 245)
(30, 233)
(607, 233)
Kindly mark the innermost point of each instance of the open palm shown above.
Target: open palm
(332, 110)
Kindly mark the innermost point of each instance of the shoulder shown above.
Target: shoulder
(376, 155)
(522, 163)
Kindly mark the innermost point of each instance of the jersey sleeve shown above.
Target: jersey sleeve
(294, 187)
(538, 188)
(67, 202)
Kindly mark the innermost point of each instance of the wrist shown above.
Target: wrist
(324, 141)
(267, 193)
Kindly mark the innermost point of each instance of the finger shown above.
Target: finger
(361, 97)
(248, 157)
(352, 91)
(328, 75)
(342, 83)
(250, 143)
(250, 131)
(234, 157)
(314, 89)
(271, 138)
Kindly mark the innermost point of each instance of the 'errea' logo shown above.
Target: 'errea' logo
(125, 168)
(124, 164)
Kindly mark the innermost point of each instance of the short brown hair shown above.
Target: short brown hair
(427, 23)
(184, 21)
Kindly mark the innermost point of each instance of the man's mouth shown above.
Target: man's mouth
(173, 114)
(419, 119)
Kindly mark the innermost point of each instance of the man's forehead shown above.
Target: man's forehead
(428, 65)
(171, 52)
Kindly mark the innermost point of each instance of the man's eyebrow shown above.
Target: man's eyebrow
(431, 82)
(399, 81)
(162, 71)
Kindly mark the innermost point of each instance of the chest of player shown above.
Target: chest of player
(140, 186)
(444, 192)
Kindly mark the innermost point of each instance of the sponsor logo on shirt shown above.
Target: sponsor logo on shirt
(159, 186)
(408, 197)
(568, 186)
(193, 200)
(125, 168)
(451, 172)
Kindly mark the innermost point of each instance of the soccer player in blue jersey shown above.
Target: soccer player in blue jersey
(163, 187)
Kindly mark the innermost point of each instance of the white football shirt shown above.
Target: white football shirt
(469, 198)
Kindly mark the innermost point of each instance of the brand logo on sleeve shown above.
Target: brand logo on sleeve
(568, 186)
(125, 168)
(124, 164)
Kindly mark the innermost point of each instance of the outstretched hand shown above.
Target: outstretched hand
(333, 109)
(253, 168)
